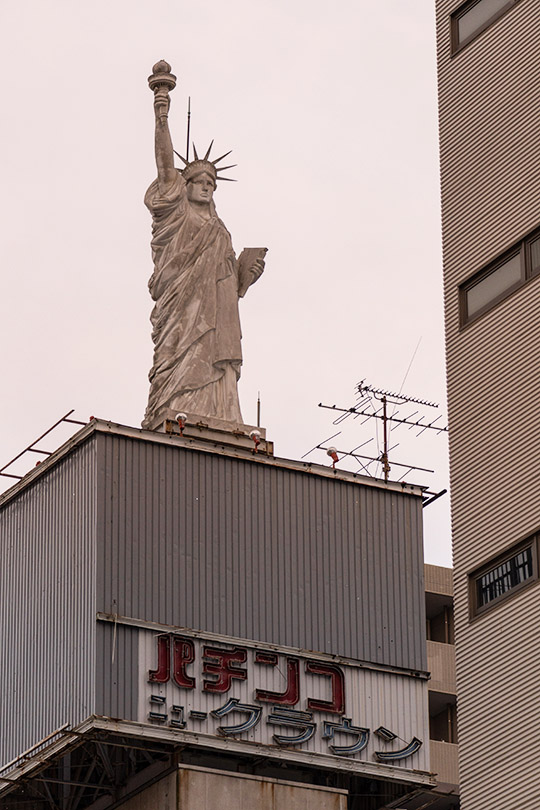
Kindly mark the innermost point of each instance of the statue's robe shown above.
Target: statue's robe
(196, 326)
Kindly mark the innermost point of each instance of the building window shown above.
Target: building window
(473, 17)
(499, 279)
(504, 576)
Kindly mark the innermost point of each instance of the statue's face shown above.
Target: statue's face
(201, 188)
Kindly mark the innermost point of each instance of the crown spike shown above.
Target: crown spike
(228, 179)
(223, 168)
(195, 151)
(221, 158)
(184, 161)
(208, 150)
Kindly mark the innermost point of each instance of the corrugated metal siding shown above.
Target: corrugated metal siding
(256, 551)
(117, 662)
(372, 699)
(47, 609)
(490, 175)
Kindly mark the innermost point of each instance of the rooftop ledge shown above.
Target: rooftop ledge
(206, 440)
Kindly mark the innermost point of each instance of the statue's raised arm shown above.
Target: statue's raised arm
(162, 82)
(195, 285)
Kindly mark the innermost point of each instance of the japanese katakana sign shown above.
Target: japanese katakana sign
(290, 701)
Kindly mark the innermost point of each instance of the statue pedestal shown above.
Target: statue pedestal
(218, 431)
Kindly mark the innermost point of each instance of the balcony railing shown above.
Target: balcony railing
(442, 665)
(444, 761)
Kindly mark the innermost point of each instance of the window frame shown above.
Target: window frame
(476, 610)
(528, 261)
(523, 248)
(455, 45)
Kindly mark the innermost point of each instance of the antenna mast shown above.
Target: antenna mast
(384, 458)
(188, 125)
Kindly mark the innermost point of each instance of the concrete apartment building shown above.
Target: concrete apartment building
(442, 685)
(489, 96)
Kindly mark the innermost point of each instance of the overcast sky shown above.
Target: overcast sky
(331, 112)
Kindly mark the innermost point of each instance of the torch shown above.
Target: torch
(161, 82)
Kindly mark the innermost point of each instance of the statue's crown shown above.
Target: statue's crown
(200, 166)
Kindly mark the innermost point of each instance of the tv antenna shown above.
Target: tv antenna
(378, 403)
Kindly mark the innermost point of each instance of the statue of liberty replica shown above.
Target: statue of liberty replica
(196, 284)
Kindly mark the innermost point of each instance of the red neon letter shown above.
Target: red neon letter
(337, 704)
(163, 671)
(292, 691)
(222, 666)
(183, 654)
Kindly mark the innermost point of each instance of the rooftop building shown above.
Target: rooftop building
(186, 618)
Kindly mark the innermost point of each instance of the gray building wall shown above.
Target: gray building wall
(117, 667)
(489, 96)
(48, 603)
(247, 549)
